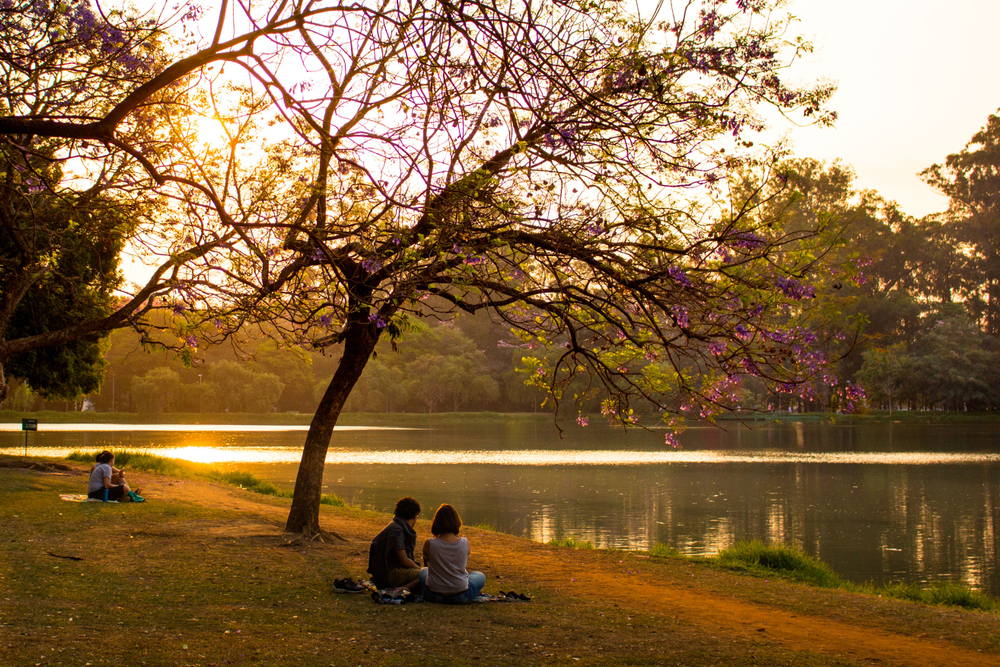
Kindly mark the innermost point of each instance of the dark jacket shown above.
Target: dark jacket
(382, 554)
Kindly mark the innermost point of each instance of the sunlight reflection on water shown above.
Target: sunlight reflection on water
(541, 457)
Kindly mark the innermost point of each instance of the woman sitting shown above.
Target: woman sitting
(446, 555)
(104, 475)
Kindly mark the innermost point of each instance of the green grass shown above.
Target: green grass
(758, 558)
(664, 551)
(572, 543)
(941, 594)
(136, 460)
(245, 480)
(486, 526)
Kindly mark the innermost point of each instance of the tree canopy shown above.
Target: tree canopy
(584, 174)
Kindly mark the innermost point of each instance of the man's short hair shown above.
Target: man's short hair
(446, 520)
(407, 508)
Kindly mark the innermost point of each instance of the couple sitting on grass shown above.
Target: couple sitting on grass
(444, 577)
(108, 483)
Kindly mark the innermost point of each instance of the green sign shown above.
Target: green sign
(29, 424)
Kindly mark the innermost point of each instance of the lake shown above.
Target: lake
(878, 502)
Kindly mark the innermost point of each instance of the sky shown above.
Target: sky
(916, 79)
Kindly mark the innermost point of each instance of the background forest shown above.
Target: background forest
(926, 307)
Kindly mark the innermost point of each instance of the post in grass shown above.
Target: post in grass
(28, 425)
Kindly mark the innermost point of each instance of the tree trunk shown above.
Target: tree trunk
(4, 387)
(358, 346)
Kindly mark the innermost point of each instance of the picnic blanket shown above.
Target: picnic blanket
(403, 596)
(81, 498)
(393, 596)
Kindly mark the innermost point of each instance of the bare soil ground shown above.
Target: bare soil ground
(199, 575)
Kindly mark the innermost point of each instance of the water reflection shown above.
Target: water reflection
(235, 454)
(878, 502)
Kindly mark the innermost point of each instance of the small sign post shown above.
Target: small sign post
(28, 425)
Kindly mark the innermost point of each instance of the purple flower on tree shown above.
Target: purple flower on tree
(679, 275)
(794, 289)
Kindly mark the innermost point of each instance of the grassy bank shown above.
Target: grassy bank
(201, 575)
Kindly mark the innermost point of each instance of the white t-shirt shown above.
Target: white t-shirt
(97, 475)
(446, 574)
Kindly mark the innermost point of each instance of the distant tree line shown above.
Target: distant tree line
(469, 363)
(927, 297)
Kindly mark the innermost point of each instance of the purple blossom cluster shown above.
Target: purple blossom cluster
(678, 274)
(565, 136)
(326, 320)
(378, 321)
(192, 341)
(718, 347)
(852, 397)
(582, 421)
(371, 265)
(745, 240)
(680, 315)
(794, 289)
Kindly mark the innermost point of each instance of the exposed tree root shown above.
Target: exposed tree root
(320, 535)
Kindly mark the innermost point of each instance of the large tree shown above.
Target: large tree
(583, 174)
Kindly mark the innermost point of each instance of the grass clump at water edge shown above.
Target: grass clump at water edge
(571, 542)
(756, 557)
(939, 594)
(664, 551)
(176, 468)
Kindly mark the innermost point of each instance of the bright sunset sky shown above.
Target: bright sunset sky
(917, 78)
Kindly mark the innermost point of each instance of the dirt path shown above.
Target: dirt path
(587, 575)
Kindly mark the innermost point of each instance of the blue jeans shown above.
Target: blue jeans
(477, 580)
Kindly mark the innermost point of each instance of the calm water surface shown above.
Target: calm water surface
(879, 502)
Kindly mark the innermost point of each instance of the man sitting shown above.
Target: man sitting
(390, 558)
